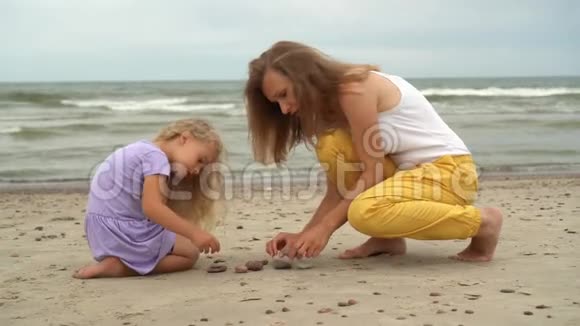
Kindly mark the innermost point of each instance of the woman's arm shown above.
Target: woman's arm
(330, 200)
(359, 104)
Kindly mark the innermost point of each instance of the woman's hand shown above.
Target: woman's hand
(311, 242)
(283, 239)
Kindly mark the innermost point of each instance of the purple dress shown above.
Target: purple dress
(115, 223)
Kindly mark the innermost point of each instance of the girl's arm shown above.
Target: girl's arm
(154, 206)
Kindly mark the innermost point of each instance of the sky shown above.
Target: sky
(62, 40)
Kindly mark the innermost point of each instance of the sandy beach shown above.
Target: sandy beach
(532, 281)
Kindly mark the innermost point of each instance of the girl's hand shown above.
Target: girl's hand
(205, 242)
(283, 239)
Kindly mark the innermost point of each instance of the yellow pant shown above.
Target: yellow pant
(431, 202)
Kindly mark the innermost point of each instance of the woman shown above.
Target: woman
(394, 169)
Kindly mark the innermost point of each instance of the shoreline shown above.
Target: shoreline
(298, 183)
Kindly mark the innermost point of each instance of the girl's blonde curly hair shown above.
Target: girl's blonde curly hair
(206, 187)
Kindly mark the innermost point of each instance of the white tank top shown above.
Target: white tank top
(413, 132)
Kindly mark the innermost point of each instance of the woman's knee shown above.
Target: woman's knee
(332, 143)
(367, 218)
(360, 216)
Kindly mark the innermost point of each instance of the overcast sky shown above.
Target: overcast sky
(43, 40)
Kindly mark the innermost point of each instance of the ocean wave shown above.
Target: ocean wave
(45, 131)
(509, 111)
(38, 98)
(499, 92)
(240, 112)
(177, 104)
(10, 130)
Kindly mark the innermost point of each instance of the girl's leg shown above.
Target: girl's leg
(108, 267)
(183, 257)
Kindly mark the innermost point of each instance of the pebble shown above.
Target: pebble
(279, 263)
(324, 310)
(241, 269)
(528, 313)
(469, 312)
(435, 294)
(285, 309)
(303, 264)
(507, 291)
(217, 268)
(39, 228)
(542, 307)
(254, 265)
(239, 227)
(269, 312)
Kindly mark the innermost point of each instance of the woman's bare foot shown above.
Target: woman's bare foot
(108, 267)
(483, 244)
(376, 246)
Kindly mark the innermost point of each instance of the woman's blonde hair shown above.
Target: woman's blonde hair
(202, 208)
(316, 79)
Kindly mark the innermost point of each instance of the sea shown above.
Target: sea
(61, 131)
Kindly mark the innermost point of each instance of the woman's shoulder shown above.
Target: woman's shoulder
(377, 86)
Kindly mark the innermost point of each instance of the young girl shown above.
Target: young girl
(130, 228)
(394, 169)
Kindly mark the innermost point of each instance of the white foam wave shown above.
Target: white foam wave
(179, 104)
(10, 130)
(237, 113)
(497, 92)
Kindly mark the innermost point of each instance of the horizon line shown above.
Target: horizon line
(241, 80)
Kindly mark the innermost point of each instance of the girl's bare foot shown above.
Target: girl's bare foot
(108, 267)
(483, 244)
(376, 246)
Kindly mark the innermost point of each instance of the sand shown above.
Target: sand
(532, 281)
